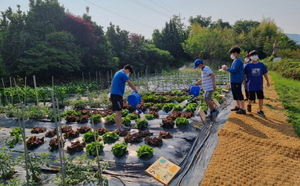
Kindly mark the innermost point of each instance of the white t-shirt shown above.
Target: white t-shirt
(206, 79)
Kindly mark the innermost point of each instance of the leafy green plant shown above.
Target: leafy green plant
(90, 136)
(110, 137)
(149, 116)
(119, 149)
(191, 107)
(96, 118)
(181, 121)
(132, 116)
(80, 104)
(126, 121)
(15, 131)
(79, 170)
(7, 165)
(204, 106)
(168, 107)
(141, 123)
(177, 107)
(70, 112)
(15, 137)
(91, 148)
(158, 105)
(125, 112)
(36, 161)
(145, 151)
(110, 119)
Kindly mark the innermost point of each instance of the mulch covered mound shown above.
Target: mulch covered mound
(254, 150)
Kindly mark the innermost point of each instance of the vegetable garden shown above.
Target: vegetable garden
(65, 135)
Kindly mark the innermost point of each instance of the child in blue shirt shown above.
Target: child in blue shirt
(254, 73)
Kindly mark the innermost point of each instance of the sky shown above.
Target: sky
(144, 16)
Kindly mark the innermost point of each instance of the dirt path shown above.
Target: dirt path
(253, 150)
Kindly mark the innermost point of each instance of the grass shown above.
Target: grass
(288, 91)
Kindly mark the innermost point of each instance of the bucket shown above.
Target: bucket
(194, 90)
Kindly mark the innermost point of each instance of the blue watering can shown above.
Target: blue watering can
(134, 99)
(194, 90)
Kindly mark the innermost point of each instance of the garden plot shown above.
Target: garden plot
(128, 167)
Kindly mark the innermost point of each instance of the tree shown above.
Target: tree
(82, 30)
(209, 44)
(57, 55)
(170, 39)
(220, 24)
(203, 21)
(245, 27)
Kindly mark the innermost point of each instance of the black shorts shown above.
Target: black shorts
(237, 91)
(259, 94)
(117, 102)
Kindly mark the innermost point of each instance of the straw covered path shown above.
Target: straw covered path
(253, 150)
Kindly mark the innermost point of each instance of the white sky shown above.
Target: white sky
(143, 16)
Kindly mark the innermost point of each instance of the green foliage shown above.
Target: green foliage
(287, 68)
(15, 131)
(7, 165)
(80, 104)
(110, 137)
(149, 116)
(91, 148)
(288, 91)
(110, 119)
(35, 163)
(191, 107)
(132, 116)
(79, 170)
(119, 149)
(145, 151)
(37, 112)
(141, 123)
(204, 106)
(96, 118)
(126, 121)
(181, 121)
(125, 112)
(168, 107)
(177, 107)
(90, 136)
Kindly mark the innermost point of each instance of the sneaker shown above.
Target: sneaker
(261, 113)
(124, 128)
(241, 111)
(249, 109)
(209, 116)
(235, 108)
(215, 113)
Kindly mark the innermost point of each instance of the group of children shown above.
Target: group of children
(247, 74)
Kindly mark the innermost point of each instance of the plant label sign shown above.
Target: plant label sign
(202, 114)
(216, 103)
(163, 170)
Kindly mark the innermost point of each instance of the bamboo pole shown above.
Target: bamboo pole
(4, 90)
(60, 146)
(22, 127)
(36, 94)
(95, 137)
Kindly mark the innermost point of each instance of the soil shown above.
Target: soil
(255, 150)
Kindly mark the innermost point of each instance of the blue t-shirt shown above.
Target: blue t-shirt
(255, 74)
(236, 71)
(118, 83)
